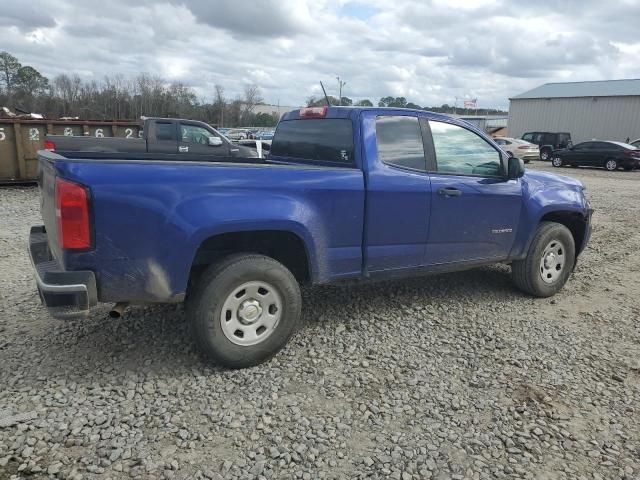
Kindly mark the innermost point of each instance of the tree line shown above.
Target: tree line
(117, 97)
(24, 89)
(400, 102)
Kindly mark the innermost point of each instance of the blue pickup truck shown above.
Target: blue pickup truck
(346, 194)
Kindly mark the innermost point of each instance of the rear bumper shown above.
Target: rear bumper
(65, 294)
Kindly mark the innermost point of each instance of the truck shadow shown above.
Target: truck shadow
(156, 339)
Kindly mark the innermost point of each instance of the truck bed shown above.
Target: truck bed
(67, 144)
(150, 217)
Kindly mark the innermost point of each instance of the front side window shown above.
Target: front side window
(528, 137)
(194, 134)
(318, 139)
(462, 152)
(400, 142)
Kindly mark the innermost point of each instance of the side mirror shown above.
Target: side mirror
(215, 141)
(515, 168)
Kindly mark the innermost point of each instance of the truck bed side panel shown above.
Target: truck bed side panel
(93, 144)
(150, 219)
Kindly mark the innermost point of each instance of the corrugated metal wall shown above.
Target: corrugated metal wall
(604, 118)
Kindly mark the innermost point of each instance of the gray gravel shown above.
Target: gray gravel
(457, 376)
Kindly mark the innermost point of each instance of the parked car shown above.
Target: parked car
(237, 134)
(608, 154)
(347, 194)
(264, 135)
(519, 148)
(548, 142)
(165, 138)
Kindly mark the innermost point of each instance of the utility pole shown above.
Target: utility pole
(340, 85)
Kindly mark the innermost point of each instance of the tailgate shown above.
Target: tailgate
(47, 184)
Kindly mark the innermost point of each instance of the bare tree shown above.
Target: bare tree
(251, 98)
(220, 103)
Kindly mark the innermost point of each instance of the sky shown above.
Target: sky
(429, 51)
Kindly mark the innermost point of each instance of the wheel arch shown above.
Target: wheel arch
(285, 246)
(574, 221)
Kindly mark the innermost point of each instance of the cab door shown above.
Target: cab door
(194, 143)
(398, 192)
(474, 209)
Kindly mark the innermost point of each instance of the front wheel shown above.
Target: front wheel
(244, 310)
(549, 261)
(545, 155)
(557, 162)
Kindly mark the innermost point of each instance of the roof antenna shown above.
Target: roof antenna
(325, 94)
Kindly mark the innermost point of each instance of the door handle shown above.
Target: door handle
(449, 192)
(183, 149)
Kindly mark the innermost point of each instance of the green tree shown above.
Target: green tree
(364, 103)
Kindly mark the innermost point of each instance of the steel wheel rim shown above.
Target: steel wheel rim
(251, 313)
(611, 165)
(557, 162)
(552, 261)
(544, 156)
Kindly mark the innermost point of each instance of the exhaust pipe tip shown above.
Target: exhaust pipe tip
(118, 310)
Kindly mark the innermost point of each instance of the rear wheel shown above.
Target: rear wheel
(549, 261)
(611, 164)
(244, 310)
(557, 162)
(545, 155)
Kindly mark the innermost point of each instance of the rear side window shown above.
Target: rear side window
(400, 142)
(528, 137)
(317, 139)
(165, 131)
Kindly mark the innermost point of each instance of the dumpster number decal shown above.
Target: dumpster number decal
(2, 135)
(99, 133)
(34, 134)
(129, 133)
(68, 131)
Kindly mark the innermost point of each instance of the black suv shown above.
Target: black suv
(548, 142)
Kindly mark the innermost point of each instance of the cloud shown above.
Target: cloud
(429, 51)
(25, 15)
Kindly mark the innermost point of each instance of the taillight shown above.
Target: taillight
(72, 215)
(313, 112)
(525, 147)
(49, 145)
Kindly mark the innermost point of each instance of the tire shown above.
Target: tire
(611, 164)
(545, 155)
(557, 162)
(537, 274)
(215, 300)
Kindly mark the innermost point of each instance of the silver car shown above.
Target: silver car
(519, 148)
(237, 134)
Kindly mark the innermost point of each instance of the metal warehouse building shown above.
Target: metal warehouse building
(605, 110)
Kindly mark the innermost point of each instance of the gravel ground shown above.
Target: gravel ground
(456, 376)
